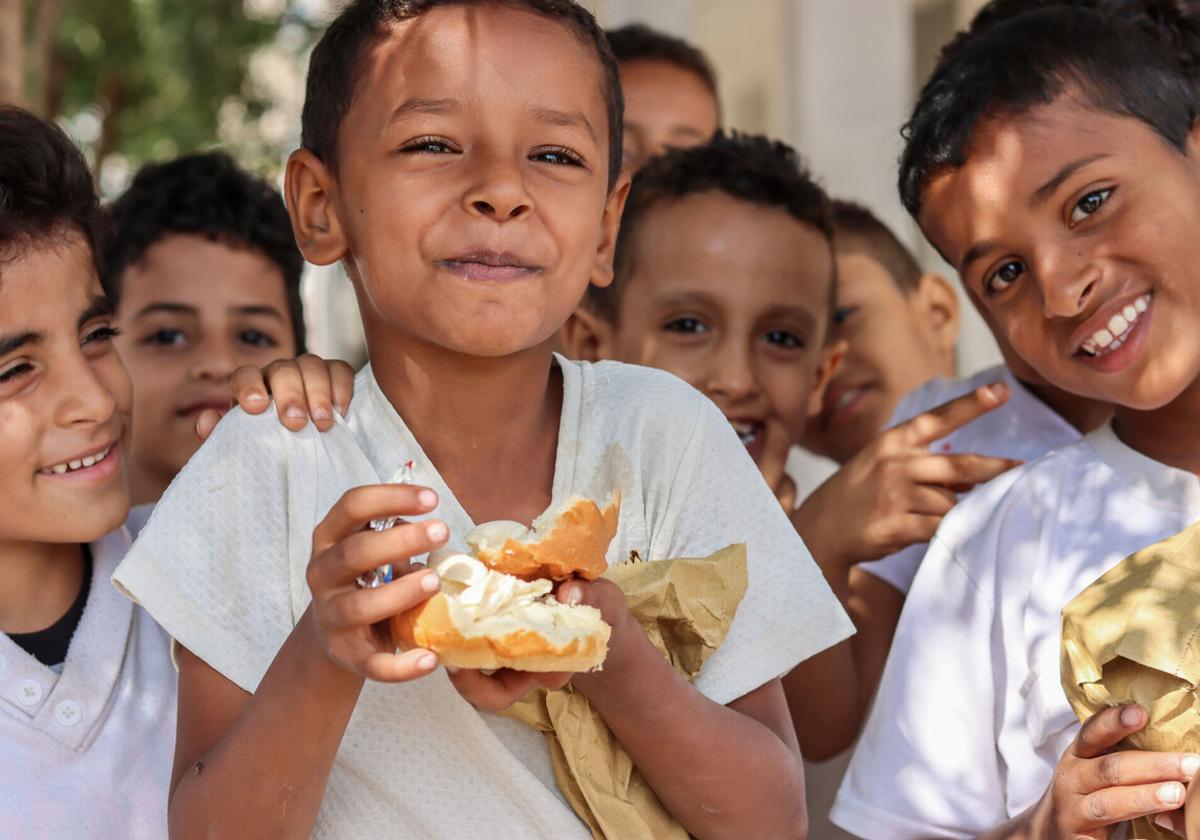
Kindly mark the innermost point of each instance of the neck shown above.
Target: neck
(476, 418)
(1084, 414)
(38, 584)
(1169, 435)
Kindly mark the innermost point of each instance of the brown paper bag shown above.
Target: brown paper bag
(686, 607)
(1133, 636)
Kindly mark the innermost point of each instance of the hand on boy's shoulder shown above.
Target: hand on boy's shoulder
(895, 492)
(305, 387)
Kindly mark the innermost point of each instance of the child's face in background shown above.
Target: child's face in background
(64, 400)
(734, 298)
(1075, 231)
(666, 106)
(472, 191)
(193, 311)
(895, 342)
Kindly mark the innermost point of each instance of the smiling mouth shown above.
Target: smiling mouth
(749, 432)
(1110, 337)
(80, 463)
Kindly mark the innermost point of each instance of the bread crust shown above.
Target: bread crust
(575, 545)
(430, 626)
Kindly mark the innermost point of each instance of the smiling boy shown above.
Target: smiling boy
(1055, 161)
(462, 159)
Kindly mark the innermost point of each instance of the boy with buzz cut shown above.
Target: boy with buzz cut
(1054, 159)
(463, 160)
(670, 91)
(87, 690)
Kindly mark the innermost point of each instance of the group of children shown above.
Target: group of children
(471, 164)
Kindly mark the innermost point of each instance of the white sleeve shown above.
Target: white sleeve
(211, 566)
(927, 765)
(898, 569)
(716, 498)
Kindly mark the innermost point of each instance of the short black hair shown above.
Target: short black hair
(857, 230)
(210, 196)
(638, 42)
(751, 168)
(337, 65)
(46, 189)
(1011, 65)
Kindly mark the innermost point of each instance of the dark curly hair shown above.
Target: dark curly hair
(1134, 60)
(337, 65)
(206, 195)
(751, 168)
(638, 42)
(46, 189)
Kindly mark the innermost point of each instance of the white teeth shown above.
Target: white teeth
(1117, 324)
(1103, 338)
(82, 463)
(1142, 303)
(1130, 313)
(74, 464)
(88, 461)
(59, 469)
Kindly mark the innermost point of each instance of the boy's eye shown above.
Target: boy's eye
(687, 324)
(101, 335)
(165, 337)
(15, 372)
(256, 338)
(1003, 277)
(559, 155)
(429, 146)
(785, 339)
(1089, 205)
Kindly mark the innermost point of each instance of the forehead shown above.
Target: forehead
(861, 273)
(46, 285)
(484, 53)
(746, 253)
(183, 268)
(1011, 156)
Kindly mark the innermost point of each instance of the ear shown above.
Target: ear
(831, 360)
(610, 227)
(586, 336)
(938, 311)
(308, 188)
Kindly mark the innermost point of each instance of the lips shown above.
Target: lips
(842, 403)
(1117, 329)
(494, 266)
(83, 462)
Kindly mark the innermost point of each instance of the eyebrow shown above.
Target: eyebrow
(185, 309)
(1048, 189)
(417, 105)
(567, 119)
(99, 307)
(977, 251)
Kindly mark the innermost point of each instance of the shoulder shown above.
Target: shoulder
(623, 396)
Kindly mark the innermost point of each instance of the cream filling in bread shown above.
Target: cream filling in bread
(484, 602)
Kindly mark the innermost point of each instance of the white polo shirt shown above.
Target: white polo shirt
(239, 519)
(971, 719)
(1024, 428)
(87, 753)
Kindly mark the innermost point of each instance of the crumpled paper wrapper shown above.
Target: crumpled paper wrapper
(1133, 636)
(686, 607)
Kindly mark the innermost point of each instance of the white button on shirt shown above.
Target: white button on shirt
(87, 752)
(971, 719)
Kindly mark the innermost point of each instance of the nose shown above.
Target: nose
(86, 399)
(732, 375)
(214, 360)
(498, 190)
(1067, 279)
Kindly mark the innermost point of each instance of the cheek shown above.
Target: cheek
(788, 387)
(113, 374)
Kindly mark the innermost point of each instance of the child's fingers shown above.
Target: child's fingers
(494, 692)
(400, 667)
(342, 376)
(317, 381)
(938, 422)
(363, 551)
(360, 505)
(553, 679)
(248, 388)
(1107, 728)
(1135, 767)
(931, 500)
(206, 423)
(286, 384)
(1120, 804)
(902, 531)
(959, 471)
(364, 607)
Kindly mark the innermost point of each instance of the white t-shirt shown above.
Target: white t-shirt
(87, 753)
(1024, 428)
(970, 719)
(239, 520)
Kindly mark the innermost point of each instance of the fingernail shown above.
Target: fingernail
(1190, 765)
(574, 596)
(427, 498)
(256, 397)
(430, 582)
(998, 389)
(1131, 716)
(294, 412)
(436, 531)
(427, 661)
(1170, 793)
(320, 413)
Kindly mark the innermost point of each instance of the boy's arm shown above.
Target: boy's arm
(240, 768)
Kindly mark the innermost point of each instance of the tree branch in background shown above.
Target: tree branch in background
(12, 52)
(48, 67)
